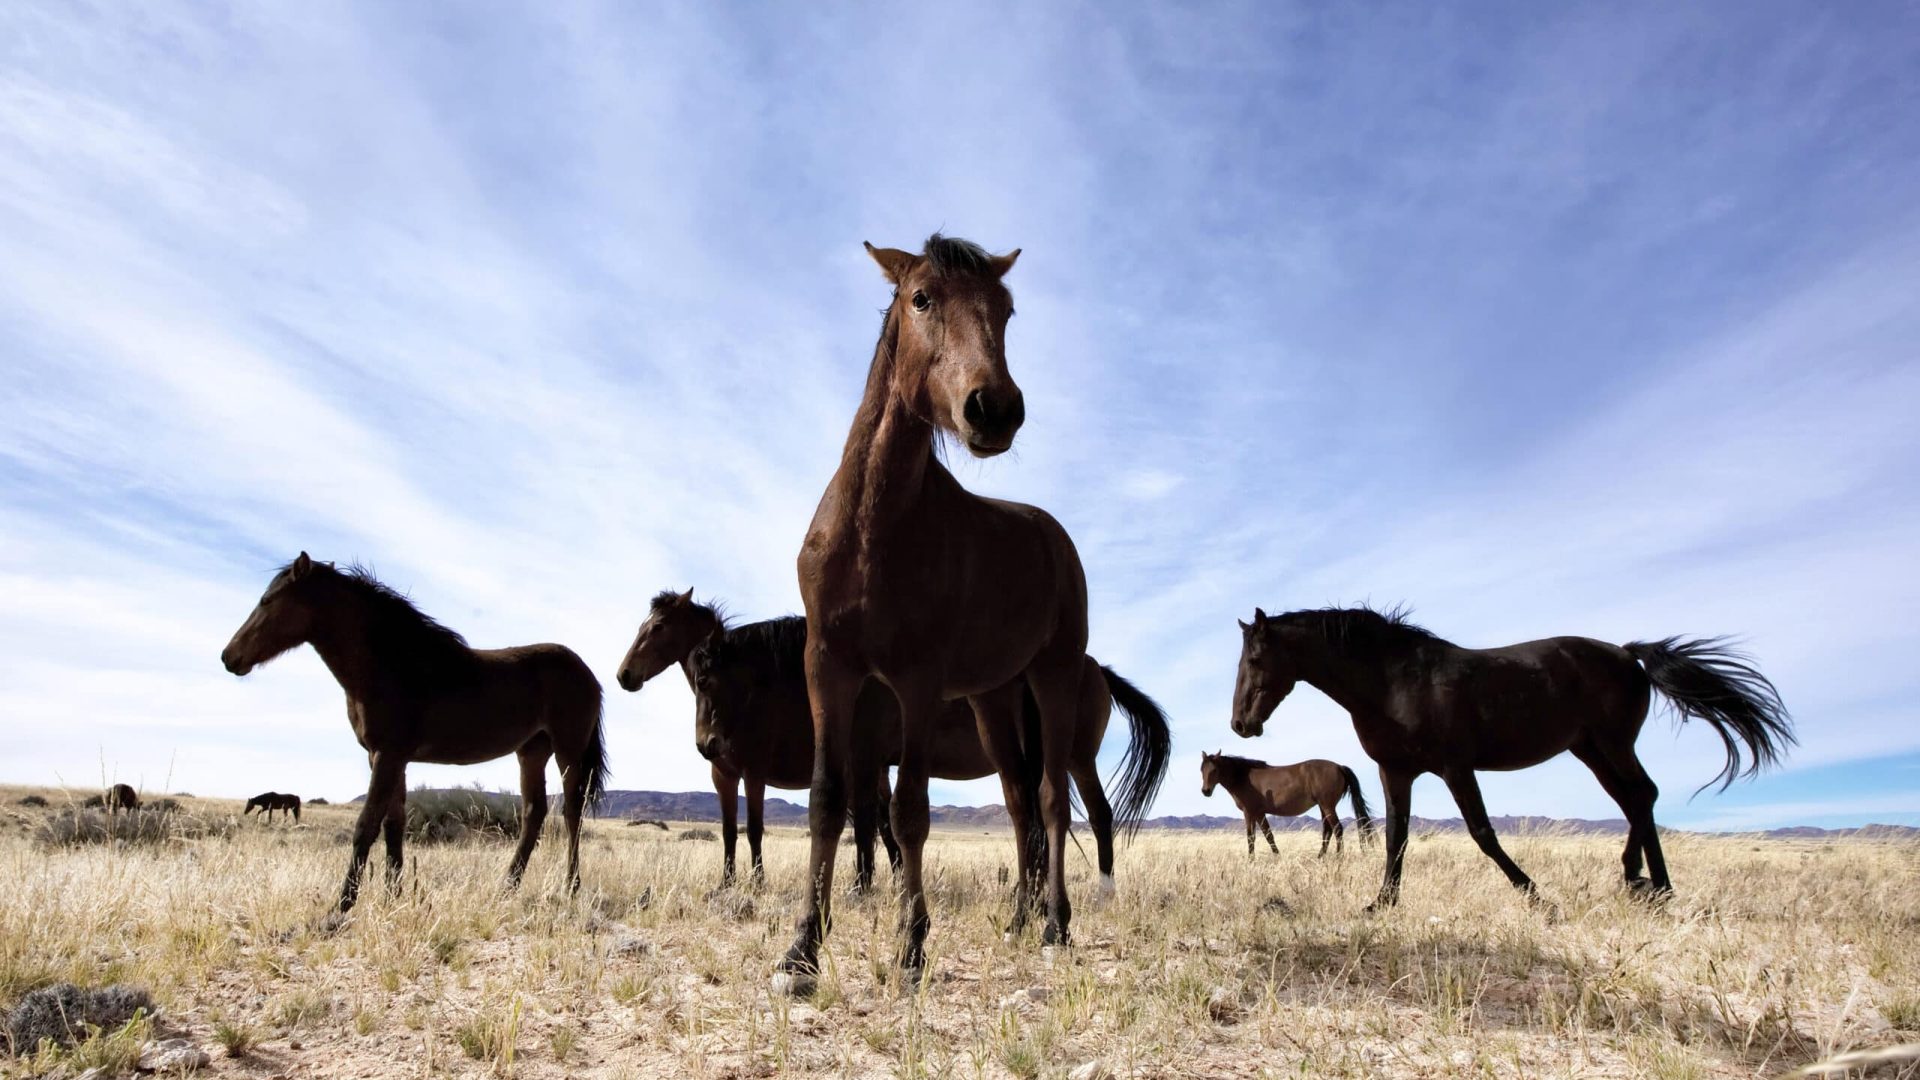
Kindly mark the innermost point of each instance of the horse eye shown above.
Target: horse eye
(920, 301)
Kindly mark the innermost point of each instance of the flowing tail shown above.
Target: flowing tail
(1148, 753)
(594, 760)
(1361, 817)
(1708, 680)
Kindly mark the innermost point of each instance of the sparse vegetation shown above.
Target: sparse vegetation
(1774, 955)
(159, 823)
(31, 800)
(446, 815)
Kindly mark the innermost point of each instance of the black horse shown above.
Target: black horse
(1421, 704)
(269, 801)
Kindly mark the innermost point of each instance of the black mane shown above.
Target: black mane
(1363, 631)
(779, 645)
(952, 255)
(396, 627)
(1234, 765)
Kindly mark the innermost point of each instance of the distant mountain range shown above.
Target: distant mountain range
(703, 806)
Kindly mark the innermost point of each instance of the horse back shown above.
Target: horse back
(1518, 705)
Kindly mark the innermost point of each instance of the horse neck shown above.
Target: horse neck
(345, 643)
(1239, 784)
(1356, 684)
(888, 453)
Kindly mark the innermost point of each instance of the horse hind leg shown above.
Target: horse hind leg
(573, 805)
(533, 804)
(1626, 780)
(1266, 829)
(1327, 825)
(395, 829)
(1099, 819)
(1466, 793)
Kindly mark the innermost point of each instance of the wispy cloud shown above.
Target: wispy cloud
(1545, 325)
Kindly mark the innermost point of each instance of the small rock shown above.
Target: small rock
(293, 1044)
(1277, 905)
(1223, 1005)
(172, 1055)
(1031, 995)
(628, 945)
(1091, 1070)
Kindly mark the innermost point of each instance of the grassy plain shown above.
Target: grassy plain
(1772, 955)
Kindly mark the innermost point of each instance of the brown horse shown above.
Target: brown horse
(1421, 704)
(909, 578)
(417, 692)
(269, 801)
(753, 719)
(122, 797)
(1259, 789)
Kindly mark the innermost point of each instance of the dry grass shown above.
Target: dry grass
(1775, 955)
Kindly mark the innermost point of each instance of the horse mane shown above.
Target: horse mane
(780, 643)
(952, 255)
(396, 627)
(1364, 631)
(1235, 766)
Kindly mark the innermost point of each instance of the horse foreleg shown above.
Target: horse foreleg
(756, 803)
(396, 834)
(1057, 692)
(1250, 828)
(831, 689)
(996, 719)
(919, 705)
(1399, 796)
(1466, 793)
(533, 803)
(726, 786)
(389, 783)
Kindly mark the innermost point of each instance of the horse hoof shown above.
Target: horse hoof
(794, 984)
(1055, 934)
(1106, 889)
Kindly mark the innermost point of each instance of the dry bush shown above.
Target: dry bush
(160, 823)
(63, 1015)
(446, 815)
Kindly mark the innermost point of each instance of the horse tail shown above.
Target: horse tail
(1148, 752)
(594, 758)
(1708, 680)
(1361, 817)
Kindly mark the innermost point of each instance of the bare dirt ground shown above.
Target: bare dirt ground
(1773, 954)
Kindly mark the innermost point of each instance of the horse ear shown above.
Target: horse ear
(687, 597)
(1259, 617)
(1003, 263)
(1244, 627)
(893, 262)
(302, 564)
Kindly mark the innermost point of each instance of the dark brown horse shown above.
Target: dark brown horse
(940, 594)
(1259, 789)
(1421, 704)
(122, 797)
(417, 692)
(269, 801)
(752, 720)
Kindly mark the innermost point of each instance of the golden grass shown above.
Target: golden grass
(1774, 955)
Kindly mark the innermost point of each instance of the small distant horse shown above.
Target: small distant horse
(937, 592)
(1259, 789)
(752, 720)
(122, 797)
(417, 692)
(1421, 704)
(269, 801)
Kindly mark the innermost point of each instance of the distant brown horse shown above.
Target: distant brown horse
(269, 801)
(122, 797)
(909, 578)
(1421, 704)
(1259, 789)
(417, 692)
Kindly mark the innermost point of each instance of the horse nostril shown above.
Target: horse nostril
(975, 409)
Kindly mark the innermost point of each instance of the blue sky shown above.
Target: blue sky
(1541, 320)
